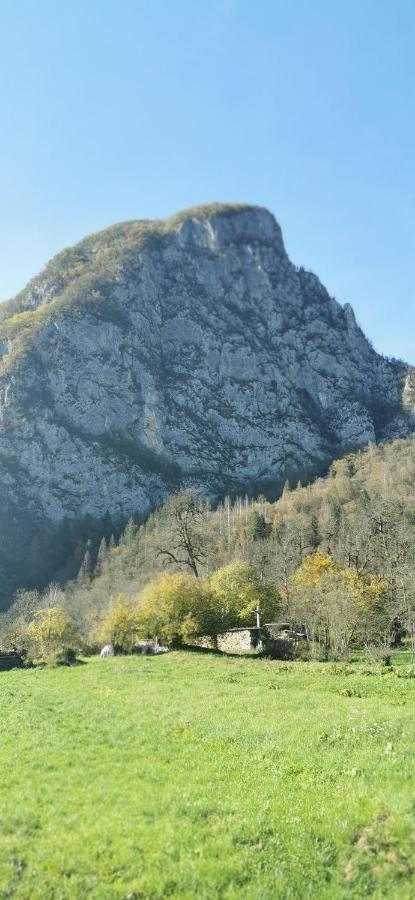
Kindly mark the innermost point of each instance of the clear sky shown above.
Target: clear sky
(122, 109)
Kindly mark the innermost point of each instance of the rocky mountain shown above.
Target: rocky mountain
(155, 355)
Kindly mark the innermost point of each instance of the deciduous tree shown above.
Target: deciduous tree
(177, 608)
(186, 516)
(238, 590)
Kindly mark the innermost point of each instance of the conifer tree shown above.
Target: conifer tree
(87, 568)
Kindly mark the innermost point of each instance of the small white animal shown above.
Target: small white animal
(106, 651)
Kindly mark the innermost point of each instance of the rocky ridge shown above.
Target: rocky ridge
(155, 355)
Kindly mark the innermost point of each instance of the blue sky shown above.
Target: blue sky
(136, 109)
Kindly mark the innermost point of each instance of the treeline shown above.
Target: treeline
(34, 554)
(337, 556)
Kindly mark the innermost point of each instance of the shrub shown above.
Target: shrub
(405, 672)
(280, 648)
(120, 626)
(68, 656)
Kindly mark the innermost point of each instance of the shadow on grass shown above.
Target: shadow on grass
(211, 651)
(60, 664)
(71, 665)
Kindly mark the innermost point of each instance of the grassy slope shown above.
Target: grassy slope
(193, 775)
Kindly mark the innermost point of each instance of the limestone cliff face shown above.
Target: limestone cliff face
(191, 351)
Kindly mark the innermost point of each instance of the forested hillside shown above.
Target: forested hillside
(338, 555)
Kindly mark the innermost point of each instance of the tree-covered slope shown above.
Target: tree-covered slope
(361, 515)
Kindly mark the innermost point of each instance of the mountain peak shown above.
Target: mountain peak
(189, 351)
(208, 223)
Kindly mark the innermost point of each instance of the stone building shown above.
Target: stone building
(255, 640)
(238, 640)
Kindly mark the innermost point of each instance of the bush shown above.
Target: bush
(405, 672)
(283, 648)
(15, 637)
(378, 654)
(280, 648)
(120, 626)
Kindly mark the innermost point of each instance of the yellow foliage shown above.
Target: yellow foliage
(238, 590)
(120, 625)
(314, 568)
(177, 607)
(51, 630)
(340, 603)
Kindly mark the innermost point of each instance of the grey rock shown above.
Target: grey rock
(159, 355)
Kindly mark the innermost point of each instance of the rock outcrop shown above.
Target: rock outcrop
(192, 351)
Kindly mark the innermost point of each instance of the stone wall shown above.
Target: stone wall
(279, 638)
(240, 640)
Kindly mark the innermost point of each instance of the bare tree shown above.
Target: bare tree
(186, 516)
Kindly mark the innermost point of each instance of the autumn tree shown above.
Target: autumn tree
(120, 625)
(238, 591)
(15, 624)
(177, 608)
(53, 633)
(338, 605)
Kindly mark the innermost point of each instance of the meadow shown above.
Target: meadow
(195, 775)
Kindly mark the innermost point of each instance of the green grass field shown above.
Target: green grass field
(191, 775)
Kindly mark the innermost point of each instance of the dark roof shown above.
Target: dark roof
(244, 628)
